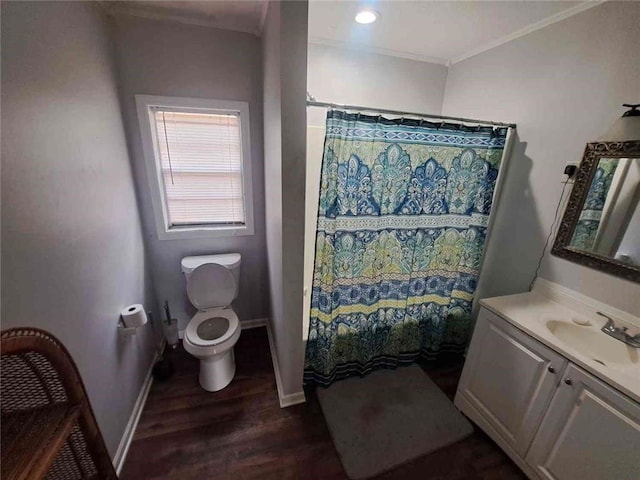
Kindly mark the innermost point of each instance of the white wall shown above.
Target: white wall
(167, 58)
(285, 66)
(563, 85)
(315, 150)
(353, 77)
(617, 230)
(630, 245)
(72, 248)
(630, 196)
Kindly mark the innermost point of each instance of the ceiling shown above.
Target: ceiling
(240, 15)
(434, 31)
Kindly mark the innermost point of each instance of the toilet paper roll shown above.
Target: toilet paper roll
(134, 316)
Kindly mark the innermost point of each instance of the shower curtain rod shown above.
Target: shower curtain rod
(314, 103)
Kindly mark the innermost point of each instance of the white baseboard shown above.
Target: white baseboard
(291, 399)
(130, 429)
(254, 323)
(286, 400)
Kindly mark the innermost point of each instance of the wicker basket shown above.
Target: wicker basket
(48, 427)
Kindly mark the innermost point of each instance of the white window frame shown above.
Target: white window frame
(154, 171)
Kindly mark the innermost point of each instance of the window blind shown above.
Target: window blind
(201, 162)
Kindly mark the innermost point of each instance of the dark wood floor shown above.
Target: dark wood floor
(242, 433)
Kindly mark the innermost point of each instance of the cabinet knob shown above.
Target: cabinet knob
(551, 369)
(568, 381)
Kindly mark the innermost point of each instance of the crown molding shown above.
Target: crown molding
(127, 9)
(471, 53)
(570, 12)
(377, 50)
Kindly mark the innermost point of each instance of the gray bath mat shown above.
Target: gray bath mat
(388, 418)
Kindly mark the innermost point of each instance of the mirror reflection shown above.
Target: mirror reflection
(609, 223)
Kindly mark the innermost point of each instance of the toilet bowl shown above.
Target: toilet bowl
(212, 284)
(210, 337)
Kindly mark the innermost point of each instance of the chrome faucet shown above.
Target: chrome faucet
(619, 333)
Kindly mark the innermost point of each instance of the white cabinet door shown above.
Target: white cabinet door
(509, 379)
(590, 432)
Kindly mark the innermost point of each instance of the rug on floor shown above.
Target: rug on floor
(388, 418)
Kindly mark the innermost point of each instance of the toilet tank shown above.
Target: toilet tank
(229, 260)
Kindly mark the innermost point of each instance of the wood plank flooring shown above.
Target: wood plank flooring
(242, 433)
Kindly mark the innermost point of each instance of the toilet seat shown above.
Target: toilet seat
(194, 338)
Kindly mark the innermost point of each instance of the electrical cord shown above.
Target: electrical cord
(551, 232)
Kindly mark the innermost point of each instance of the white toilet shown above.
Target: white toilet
(212, 284)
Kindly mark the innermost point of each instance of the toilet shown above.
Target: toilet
(212, 284)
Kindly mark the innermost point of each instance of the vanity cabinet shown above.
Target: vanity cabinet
(590, 432)
(555, 420)
(509, 379)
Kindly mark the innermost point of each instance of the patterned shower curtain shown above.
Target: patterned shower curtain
(588, 224)
(402, 218)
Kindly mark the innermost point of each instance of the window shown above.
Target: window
(199, 167)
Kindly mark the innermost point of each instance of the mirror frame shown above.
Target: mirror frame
(586, 171)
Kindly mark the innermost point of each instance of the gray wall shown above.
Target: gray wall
(273, 167)
(285, 68)
(563, 85)
(171, 59)
(72, 247)
(293, 31)
(353, 77)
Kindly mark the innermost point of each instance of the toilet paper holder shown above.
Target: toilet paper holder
(125, 331)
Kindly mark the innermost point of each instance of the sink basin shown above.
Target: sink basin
(594, 344)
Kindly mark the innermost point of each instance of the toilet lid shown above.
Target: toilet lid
(211, 285)
(212, 327)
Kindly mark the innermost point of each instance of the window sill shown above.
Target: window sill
(187, 233)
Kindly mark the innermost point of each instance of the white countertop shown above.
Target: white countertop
(530, 311)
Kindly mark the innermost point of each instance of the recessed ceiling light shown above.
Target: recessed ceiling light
(367, 15)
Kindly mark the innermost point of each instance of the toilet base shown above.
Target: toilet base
(217, 371)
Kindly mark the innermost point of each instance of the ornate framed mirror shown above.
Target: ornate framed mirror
(601, 224)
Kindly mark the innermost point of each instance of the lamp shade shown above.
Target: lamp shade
(626, 128)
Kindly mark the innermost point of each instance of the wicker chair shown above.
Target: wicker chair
(48, 427)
